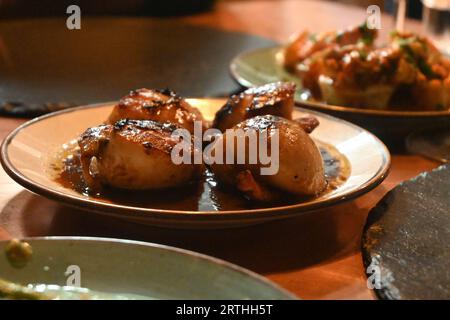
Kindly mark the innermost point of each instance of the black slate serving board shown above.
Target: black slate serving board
(45, 66)
(408, 237)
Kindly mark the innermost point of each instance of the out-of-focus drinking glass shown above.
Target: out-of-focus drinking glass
(436, 23)
(399, 13)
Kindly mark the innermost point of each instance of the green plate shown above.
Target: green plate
(258, 67)
(139, 269)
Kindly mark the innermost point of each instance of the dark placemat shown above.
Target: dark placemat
(44, 66)
(407, 237)
(432, 143)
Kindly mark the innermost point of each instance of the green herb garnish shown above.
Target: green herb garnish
(367, 35)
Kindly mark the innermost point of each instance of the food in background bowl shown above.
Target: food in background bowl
(346, 68)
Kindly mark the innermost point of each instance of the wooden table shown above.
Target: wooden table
(316, 256)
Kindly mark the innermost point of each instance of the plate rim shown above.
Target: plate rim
(118, 210)
(184, 252)
(320, 106)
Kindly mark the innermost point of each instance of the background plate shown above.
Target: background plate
(261, 66)
(28, 152)
(150, 270)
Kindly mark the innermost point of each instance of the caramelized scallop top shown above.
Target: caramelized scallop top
(150, 134)
(274, 98)
(157, 105)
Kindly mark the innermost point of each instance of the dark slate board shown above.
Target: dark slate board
(408, 236)
(44, 66)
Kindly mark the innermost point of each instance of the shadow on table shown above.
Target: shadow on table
(270, 247)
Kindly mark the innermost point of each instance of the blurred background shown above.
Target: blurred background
(25, 8)
(123, 45)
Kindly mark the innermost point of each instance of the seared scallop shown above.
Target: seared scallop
(299, 162)
(132, 154)
(274, 98)
(156, 105)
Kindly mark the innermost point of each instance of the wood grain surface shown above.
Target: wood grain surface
(316, 256)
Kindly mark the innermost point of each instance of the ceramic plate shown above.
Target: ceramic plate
(28, 155)
(263, 66)
(146, 270)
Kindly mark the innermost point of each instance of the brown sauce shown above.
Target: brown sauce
(207, 194)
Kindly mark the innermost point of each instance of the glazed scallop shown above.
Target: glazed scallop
(274, 98)
(300, 170)
(156, 105)
(132, 154)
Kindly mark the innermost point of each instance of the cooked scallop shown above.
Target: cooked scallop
(132, 154)
(156, 105)
(300, 164)
(274, 98)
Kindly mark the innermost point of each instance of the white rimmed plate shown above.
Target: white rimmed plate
(27, 154)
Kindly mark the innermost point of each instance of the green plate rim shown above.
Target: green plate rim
(184, 252)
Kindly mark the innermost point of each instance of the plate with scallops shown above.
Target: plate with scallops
(403, 84)
(157, 158)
